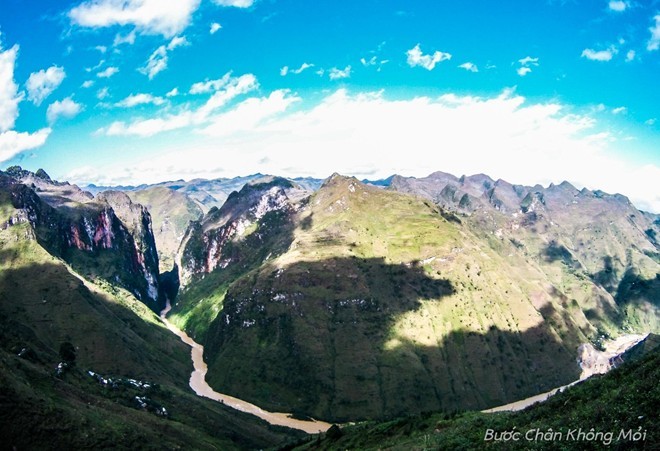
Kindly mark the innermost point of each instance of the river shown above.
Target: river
(593, 362)
(201, 388)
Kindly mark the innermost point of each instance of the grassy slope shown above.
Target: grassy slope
(625, 399)
(385, 307)
(42, 305)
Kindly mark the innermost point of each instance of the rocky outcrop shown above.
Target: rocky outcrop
(252, 212)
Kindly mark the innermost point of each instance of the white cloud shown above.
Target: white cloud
(250, 114)
(630, 56)
(303, 67)
(529, 61)
(620, 110)
(124, 39)
(215, 26)
(87, 84)
(156, 63)
(172, 93)
(526, 65)
(226, 89)
(362, 134)
(9, 96)
(150, 127)
(235, 3)
(166, 18)
(203, 87)
(139, 99)
(600, 55)
(428, 62)
(102, 93)
(651, 121)
(98, 66)
(12, 142)
(369, 62)
(66, 108)
(177, 41)
(654, 41)
(42, 84)
(618, 5)
(234, 87)
(108, 72)
(373, 61)
(338, 74)
(471, 67)
(101, 48)
(522, 71)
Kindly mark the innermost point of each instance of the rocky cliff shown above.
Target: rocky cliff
(107, 238)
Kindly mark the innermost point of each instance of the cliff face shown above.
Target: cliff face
(107, 238)
(216, 241)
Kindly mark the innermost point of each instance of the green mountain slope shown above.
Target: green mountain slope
(56, 328)
(618, 407)
(384, 305)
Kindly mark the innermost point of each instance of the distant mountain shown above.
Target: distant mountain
(590, 233)
(171, 212)
(205, 193)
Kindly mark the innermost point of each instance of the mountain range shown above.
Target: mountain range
(340, 299)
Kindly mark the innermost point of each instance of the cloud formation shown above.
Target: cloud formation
(526, 65)
(203, 87)
(156, 63)
(599, 55)
(338, 74)
(224, 90)
(470, 67)
(215, 26)
(13, 142)
(303, 67)
(166, 18)
(42, 84)
(654, 41)
(618, 5)
(235, 3)
(65, 108)
(363, 134)
(158, 60)
(108, 72)
(9, 95)
(139, 99)
(428, 62)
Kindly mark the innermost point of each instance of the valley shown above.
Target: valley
(337, 299)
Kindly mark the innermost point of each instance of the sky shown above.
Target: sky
(141, 91)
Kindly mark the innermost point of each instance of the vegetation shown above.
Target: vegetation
(56, 328)
(616, 407)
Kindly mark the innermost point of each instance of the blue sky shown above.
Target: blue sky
(133, 91)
